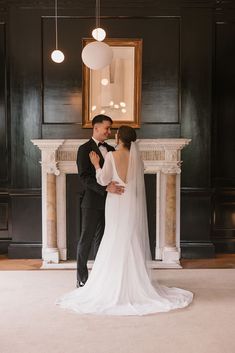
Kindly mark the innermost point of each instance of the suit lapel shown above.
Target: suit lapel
(95, 148)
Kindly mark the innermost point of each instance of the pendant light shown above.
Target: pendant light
(97, 55)
(98, 33)
(57, 55)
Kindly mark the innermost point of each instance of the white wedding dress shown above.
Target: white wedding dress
(119, 283)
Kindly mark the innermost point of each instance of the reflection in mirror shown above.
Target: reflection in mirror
(115, 89)
(112, 88)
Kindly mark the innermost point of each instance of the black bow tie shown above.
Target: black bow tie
(104, 144)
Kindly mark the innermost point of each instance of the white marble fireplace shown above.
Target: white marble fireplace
(161, 157)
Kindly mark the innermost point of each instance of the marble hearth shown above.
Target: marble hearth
(161, 157)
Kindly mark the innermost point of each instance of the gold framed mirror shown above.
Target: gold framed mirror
(116, 89)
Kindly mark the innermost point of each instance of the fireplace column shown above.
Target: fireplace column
(50, 247)
(50, 252)
(171, 190)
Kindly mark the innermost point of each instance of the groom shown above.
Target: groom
(93, 201)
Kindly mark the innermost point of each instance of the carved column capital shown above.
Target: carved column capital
(49, 150)
(49, 162)
(171, 169)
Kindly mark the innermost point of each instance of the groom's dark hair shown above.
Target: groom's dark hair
(100, 118)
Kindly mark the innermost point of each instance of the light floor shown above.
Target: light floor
(32, 323)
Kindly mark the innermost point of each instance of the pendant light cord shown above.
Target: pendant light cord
(56, 27)
(97, 13)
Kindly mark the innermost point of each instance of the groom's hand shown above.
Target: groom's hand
(115, 188)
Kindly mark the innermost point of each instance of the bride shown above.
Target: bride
(119, 283)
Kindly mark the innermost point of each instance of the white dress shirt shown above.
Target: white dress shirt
(102, 149)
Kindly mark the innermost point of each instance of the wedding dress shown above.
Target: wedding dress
(119, 283)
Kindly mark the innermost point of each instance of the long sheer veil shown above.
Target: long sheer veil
(137, 203)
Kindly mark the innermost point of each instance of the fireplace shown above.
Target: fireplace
(161, 157)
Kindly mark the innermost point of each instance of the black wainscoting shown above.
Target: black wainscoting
(26, 225)
(223, 232)
(73, 214)
(196, 223)
(5, 225)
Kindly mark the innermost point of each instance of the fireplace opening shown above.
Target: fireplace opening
(73, 213)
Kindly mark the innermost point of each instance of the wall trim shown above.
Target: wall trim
(25, 251)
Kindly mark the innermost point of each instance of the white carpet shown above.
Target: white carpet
(31, 323)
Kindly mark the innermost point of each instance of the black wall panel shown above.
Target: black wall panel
(25, 96)
(196, 59)
(4, 145)
(224, 220)
(4, 216)
(26, 225)
(62, 83)
(224, 105)
(3, 107)
(223, 138)
(196, 223)
(196, 71)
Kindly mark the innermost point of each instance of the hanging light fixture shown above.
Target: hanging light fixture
(98, 33)
(57, 56)
(96, 55)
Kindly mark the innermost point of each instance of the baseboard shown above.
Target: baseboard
(24, 251)
(197, 250)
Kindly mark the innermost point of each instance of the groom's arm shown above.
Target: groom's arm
(85, 172)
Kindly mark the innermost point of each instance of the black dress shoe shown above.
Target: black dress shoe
(80, 284)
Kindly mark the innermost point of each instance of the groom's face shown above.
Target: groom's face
(102, 131)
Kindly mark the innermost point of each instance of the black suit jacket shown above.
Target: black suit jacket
(94, 195)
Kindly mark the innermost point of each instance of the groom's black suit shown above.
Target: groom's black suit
(93, 205)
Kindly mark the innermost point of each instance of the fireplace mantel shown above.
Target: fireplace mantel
(161, 157)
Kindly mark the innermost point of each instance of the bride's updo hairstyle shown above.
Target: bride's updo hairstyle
(127, 135)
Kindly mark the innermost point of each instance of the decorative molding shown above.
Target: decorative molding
(113, 3)
(24, 250)
(49, 154)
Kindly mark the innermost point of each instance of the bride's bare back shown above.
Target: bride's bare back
(121, 160)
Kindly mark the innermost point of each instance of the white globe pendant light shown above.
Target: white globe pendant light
(97, 55)
(99, 34)
(57, 56)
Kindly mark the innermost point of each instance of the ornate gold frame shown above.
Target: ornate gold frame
(135, 119)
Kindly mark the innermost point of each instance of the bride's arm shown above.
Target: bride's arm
(103, 176)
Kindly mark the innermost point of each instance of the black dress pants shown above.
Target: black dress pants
(93, 222)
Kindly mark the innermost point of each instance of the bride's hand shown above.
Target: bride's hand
(95, 159)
